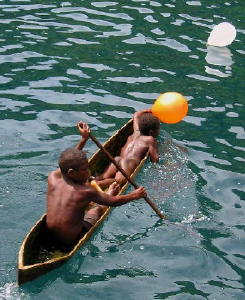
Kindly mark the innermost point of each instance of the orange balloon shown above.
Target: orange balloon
(170, 107)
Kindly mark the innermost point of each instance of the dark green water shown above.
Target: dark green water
(99, 62)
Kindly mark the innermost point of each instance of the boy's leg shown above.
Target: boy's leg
(110, 171)
(108, 177)
(104, 183)
(128, 166)
(92, 215)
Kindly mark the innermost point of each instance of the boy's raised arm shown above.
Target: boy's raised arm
(84, 130)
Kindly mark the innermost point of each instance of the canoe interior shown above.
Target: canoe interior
(38, 251)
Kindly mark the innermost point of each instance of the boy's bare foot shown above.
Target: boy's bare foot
(113, 189)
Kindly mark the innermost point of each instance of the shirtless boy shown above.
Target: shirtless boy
(69, 193)
(143, 140)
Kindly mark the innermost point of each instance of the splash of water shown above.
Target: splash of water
(10, 291)
(171, 182)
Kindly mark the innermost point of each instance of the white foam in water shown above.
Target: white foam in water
(171, 183)
(10, 291)
(192, 218)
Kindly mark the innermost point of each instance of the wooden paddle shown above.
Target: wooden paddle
(152, 204)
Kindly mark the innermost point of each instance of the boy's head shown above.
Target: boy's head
(149, 124)
(73, 163)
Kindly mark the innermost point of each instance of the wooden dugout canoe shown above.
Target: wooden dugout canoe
(36, 254)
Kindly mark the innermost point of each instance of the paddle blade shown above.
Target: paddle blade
(222, 35)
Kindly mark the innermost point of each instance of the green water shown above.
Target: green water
(99, 62)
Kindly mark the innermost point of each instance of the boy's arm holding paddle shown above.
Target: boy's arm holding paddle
(84, 130)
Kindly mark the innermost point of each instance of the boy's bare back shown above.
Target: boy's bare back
(138, 145)
(67, 202)
(65, 207)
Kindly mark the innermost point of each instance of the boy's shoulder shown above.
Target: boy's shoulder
(89, 189)
(54, 175)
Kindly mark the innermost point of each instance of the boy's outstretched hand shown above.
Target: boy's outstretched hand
(139, 193)
(84, 129)
(113, 189)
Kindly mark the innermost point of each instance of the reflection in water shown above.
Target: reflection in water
(219, 56)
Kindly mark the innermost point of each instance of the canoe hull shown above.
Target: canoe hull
(36, 255)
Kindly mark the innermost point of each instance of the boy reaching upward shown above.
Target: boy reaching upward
(143, 140)
(69, 195)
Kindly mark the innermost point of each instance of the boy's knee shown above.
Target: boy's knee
(120, 179)
(99, 210)
(94, 214)
(117, 158)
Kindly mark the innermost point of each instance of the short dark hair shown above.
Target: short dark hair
(72, 158)
(148, 122)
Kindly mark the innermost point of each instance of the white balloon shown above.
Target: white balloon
(222, 35)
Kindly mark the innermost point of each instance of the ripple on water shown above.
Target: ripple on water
(99, 62)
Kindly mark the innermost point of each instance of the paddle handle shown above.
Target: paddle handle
(152, 204)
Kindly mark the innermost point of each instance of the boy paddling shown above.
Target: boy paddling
(69, 194)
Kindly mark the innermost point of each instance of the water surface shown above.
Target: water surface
(99, 62)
